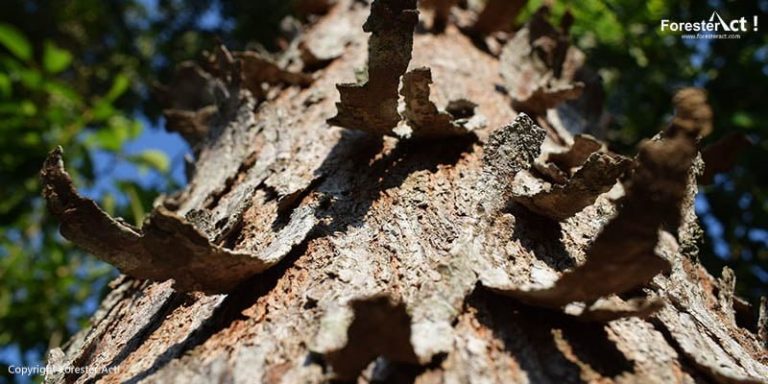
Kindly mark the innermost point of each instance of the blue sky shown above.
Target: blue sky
(152, 137)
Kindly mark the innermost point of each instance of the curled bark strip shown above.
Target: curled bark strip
(401, 222)
(692, 112)
(378, 327)
(533, 66)
(193, 126)
(623, 255)
(192, 98)
(79, 217)
(190, 101)
(583, 147)
(561, 201)
(722, 155)
(192, 88)
(328, 37)
(725, 295)
(258, 70)
(498, 15)
(442, 10)
(372, 106)
(612, 308)
(313, 7)
(166, 247)
(422, 115)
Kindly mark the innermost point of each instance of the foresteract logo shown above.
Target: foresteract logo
(714, 28)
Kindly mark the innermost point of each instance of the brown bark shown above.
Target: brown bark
(449, 251)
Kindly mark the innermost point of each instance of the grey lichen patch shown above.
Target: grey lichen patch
(508, 151)
(166, 247)
(512, 148)
(422, 115)
(535, 66)
(372, 106)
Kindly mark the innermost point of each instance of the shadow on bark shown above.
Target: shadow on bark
(542, 236)
(226, 313)
(565, 349)
(176, 300)
(367, 170)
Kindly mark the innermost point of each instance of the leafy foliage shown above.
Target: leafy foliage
(48, 286)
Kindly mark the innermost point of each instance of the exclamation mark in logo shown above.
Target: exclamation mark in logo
(755, 24)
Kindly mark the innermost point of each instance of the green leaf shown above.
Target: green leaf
(5, 86)
(743, 119)
(152, 158)
(119, 86)
(27, 108)
(137, 208)
(106, 139)
(108, 203)
(119, 129)
(14, 41)
(5, 302)
(55, 59)
(30, 78)
(63, 93)
(101, 110)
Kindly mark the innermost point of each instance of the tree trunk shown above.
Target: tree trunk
(428, 233)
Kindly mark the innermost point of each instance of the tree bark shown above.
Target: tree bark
(476, 246)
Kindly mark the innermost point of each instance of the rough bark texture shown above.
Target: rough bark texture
(501, 251)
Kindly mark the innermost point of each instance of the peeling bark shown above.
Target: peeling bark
(350, 253)
(722, 155)
(540, 66)
(372, 105)
(560, 201)
(498, 15)
(442, 10)
(166, 247)
(422, 115)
